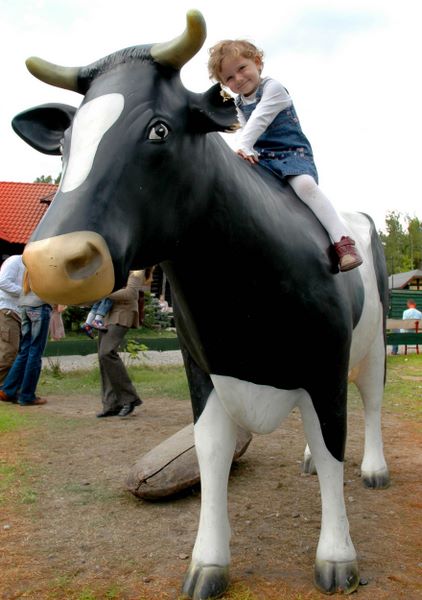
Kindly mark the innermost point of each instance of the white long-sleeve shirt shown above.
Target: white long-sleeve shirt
(274, 99)
(11, 278)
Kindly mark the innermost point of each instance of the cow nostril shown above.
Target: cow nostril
(85, 263)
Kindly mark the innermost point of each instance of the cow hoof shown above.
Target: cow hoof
(204, 582)
(379, 480)
(308, 466)
(336, 577)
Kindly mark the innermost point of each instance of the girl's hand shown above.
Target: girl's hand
(249, 157)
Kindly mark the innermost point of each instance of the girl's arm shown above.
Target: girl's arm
(274, 99)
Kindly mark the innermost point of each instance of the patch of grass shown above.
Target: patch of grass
(85, 493)
(15, 482)
(403, 392)
(59, 587)
(10, 419)
(152, 382)
(161, 382)
(239, 591)
(403, 389)
(71, 383)
(54, 367)
(112, 593)
(7, 478)
(86, 595)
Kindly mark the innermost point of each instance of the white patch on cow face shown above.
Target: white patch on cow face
(91, 122)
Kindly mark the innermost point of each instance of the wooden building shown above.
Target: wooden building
(404, 286)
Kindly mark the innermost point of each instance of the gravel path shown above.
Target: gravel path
(151, 358)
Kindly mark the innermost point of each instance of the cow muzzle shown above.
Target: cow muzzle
(72, 268)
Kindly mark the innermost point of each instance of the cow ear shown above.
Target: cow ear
(42, 127)
(213, 111)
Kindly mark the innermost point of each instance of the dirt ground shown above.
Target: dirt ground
(84, 537)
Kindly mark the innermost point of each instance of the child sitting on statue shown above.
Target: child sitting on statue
(271, 135)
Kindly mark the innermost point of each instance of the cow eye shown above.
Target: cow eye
(158, 131)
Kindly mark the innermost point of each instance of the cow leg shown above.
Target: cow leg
(336, 568)
(215, 441)
(369, 379)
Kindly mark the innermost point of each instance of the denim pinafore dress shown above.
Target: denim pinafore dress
(283, 148)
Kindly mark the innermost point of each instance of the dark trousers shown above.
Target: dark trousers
(117, 388)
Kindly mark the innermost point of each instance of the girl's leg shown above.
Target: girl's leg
(310, 193)
(90, 317)
(104, 307)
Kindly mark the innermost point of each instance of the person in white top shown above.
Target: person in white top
(11, 276)
(271, 135)
(411, 312)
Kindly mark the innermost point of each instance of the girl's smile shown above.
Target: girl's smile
(241, 75)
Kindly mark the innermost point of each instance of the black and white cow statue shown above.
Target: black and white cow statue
(147, 179)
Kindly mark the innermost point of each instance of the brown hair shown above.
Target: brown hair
(232, 48)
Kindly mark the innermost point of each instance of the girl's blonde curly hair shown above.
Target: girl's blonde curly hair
(232, 48)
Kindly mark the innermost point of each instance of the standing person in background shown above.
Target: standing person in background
(57, 331)
(22, 380)
(119, 396)
(411, 312)
(11, 276)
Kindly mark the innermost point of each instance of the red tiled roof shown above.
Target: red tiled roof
(21, 208)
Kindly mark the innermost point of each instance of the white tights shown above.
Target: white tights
(308, 191)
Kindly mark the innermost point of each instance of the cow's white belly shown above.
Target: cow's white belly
(256, 408)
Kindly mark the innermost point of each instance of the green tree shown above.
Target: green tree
(402, 241)
(414, 228)
(48, 179)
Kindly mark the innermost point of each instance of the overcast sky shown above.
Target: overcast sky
(353, 68)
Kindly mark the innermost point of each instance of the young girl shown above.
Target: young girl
(271, 135)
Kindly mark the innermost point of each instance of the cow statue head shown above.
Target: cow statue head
(125, 146)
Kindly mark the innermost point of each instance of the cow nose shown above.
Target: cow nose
(85, 263)
(72, 268)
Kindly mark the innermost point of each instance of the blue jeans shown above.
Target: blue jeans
(102, 307)
(25, 372)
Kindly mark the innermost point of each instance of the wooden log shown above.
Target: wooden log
(172, 466)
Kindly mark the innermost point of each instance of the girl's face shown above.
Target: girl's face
(241, 75)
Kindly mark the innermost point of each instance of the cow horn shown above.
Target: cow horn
(179, 51)
(63, 77)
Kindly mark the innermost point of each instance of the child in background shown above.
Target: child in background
(272, 136)
(57, 331)
(96, 315)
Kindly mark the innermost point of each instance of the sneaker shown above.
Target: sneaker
(98, 324)
(349, 257)
(88, 330)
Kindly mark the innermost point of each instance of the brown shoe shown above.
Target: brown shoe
(7, 398)
(348, 257)
(37, 402)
